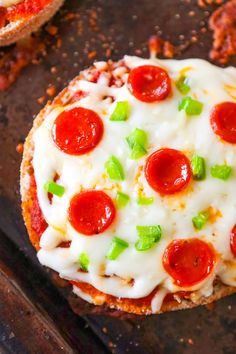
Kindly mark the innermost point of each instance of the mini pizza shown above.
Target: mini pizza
(128, 181)
(19, 18)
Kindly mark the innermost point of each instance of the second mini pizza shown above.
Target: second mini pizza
(18, 18)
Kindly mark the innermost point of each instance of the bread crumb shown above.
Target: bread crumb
(69, 16)
(222, 23)
(59, 43)
(53, 70)
(52, 30)
(20, 148)
(51, 91)
(41, 100)
(92, 54)
(190, 341)
(168, 50)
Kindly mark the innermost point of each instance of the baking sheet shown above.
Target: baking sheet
(98, 30)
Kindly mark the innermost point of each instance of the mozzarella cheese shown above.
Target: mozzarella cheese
(166, 127)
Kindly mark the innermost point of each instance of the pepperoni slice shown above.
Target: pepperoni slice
(168, 171)
(149, 83)
(188, 261)
(77, 131)
(233, 240)
(223, 121)
(91, 212)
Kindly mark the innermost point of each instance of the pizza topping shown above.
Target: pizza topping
(54, 188)
(91, 212)
(121, 112)
(190, 106)
(223, 121)
(188, 261)
(77, 131)
(38, 222)
(233, 240)
(182, 85)
(149, 83)
(198, 167)
(117, 247)
(168, 171)
(148, 237)
(145, 200)
(221, 171)
(114, 169)
(84, 261)
(137, 142)
(200, 220)
(122, 199)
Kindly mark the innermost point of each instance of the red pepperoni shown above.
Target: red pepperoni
(188, 261)
(168, 171)
(223, 121)
(91, 212)
(77, 131)
(233, 240)
(149, 83)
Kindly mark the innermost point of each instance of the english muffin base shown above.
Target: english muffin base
(28, 195)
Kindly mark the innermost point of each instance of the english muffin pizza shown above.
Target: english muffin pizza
(128, 181)
(19, 18)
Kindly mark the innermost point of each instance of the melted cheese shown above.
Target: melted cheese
(166, 127)
(8, 3)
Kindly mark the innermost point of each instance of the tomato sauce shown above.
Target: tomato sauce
(233, 240)
(38, 222)
(140, 303)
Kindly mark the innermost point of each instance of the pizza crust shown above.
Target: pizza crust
(107, 302)
(21, 28)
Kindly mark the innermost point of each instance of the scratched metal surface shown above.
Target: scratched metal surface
(34, 314)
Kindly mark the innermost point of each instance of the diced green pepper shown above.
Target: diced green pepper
(84, 261)
(200, 220)
(221, 171)
(198, 167)
(190, 106)
(54, 188)
(114, 169)
(121, 112)
(122, 199)
(117, 247)
(148, 236)
(182, 85)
